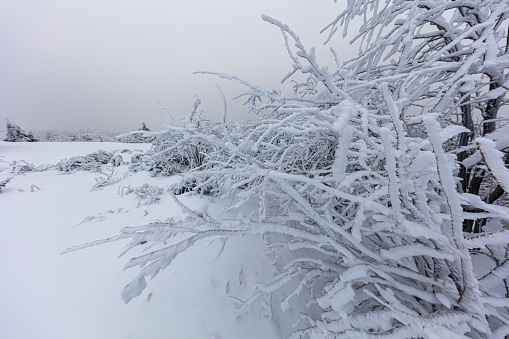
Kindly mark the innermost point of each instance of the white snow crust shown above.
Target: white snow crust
(46, 295)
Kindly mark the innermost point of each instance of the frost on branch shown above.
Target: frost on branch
(493, 159)
(444, 57)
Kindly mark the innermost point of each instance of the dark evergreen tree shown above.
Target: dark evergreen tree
(145, 128)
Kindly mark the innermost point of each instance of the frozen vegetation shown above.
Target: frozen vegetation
(366, 203)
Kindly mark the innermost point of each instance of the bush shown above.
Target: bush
(90, 162)
(363, 217)
(183, 148)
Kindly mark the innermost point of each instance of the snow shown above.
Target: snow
(77, 295)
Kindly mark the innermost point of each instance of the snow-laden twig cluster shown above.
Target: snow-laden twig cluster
(441, 56)
(22, 167)
(91, 162)
(150, 194)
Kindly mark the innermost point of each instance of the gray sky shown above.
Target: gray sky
(76, 64)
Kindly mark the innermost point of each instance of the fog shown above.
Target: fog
(102, 64)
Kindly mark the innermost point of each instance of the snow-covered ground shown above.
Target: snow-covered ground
(44, 294)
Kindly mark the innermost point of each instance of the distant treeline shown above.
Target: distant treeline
(17, 134)
(75, 136)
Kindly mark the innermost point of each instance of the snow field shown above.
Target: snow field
(77, 295)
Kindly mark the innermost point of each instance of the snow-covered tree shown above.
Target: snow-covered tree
(16, 133)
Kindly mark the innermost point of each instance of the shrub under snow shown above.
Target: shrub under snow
(90, 162)
(367, 238)
(364, 219)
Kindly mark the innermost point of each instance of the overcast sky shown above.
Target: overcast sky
(77, 64)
